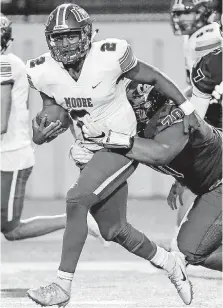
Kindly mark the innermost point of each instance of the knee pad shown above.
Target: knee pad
(129, 238)
(75, 198)
(192, 257)
(108, 233)
(12, 235)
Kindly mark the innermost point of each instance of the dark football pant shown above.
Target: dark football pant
(13, 186)
(103, 174)
(200, 235)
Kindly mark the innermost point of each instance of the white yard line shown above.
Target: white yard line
(88, 266)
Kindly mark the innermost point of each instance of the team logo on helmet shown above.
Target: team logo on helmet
(79, 13)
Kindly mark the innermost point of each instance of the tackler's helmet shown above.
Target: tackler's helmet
(6, 33)
(69, 19)
(203, 9)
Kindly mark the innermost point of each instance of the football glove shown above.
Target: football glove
(216, 96)
(109, 139)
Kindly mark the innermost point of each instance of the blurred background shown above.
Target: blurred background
(145, 24)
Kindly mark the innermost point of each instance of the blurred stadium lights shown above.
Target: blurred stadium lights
(35, 7)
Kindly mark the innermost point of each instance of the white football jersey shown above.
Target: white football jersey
(199, 44)
(17, 137)
(99, 90)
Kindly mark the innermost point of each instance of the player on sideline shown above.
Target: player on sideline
(195, 160)
(17, 157)
(193, 21)
(85, 77)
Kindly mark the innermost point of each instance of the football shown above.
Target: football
(54, 113)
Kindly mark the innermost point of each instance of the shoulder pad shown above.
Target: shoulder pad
(120, 51)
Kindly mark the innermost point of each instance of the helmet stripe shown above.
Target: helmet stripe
(61, 13)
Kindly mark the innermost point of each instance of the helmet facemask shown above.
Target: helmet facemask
(198, 16)
(73, 52)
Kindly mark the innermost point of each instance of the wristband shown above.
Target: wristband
(187, 107)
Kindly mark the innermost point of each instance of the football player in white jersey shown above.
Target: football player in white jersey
(86, 78)
(193, 20)
(17, 156)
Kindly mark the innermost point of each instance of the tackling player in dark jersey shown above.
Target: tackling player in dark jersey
(206, 75)
(194, 159)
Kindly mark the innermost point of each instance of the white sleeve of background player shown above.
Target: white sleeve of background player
(208, 38)
(6, 76)
(200, 101)
(12, 69)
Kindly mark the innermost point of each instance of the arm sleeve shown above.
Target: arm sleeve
(127, 59)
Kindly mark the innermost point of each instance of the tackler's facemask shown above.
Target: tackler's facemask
(187, 16)
(6, 33)
(145, 101)
(68, 33)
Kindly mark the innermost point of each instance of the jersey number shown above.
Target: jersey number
(108, 47)
(176, 115)
(199, 77)
(37, 61)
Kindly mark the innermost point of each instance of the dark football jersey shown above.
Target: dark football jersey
(199, 165)
(206, 74)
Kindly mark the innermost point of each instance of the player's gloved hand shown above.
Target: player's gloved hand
(216, 96)
(42, 134)
(109, 139)
(176, 191)
(80, 154)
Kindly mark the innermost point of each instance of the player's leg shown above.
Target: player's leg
(188, 199)
(110, 214)
(200, 236)
(101, 176)
(104, 173)
(112, 221)
(13, 186)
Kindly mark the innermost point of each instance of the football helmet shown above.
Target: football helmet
(6, 33)
(68, 21)
(145, 101)
(203, 10)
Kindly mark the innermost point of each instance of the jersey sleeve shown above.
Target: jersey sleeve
(208, 38)
(6, 70)
(12, 70)
(207, 72)
(122, 54)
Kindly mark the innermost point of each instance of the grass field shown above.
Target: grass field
(106, 277)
